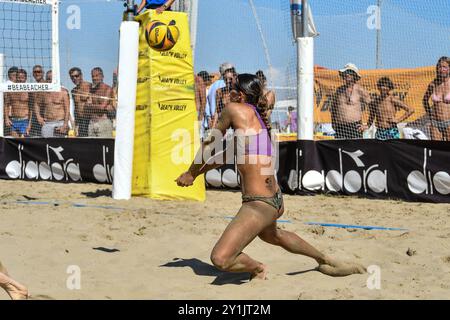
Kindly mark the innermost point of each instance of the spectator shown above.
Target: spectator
(347, 105)
(268, 94)
(159, 5)
(210, 108)
(81, 97)
(201, 80)
(223, 94)
(384, 108)
(12, 75)
(292, 120)
(17, 109)
(38, 75)
(56, 111)
(439, 92)
(101, 106)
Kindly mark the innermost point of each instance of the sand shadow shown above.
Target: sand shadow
(98, 193)
(107, 250)
(201, 268)
(300, 272)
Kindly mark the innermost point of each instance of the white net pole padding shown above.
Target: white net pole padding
(29, 36)
(304, 31)
(305, 119)
(193, 24)
(124, 145)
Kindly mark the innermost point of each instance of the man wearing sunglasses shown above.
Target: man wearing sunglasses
(38, 76)
(81, 97)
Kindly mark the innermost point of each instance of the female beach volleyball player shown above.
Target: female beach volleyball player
(158, 5)
(262, 202)
(15, 290)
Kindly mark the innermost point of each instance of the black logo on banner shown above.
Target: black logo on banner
(171, 107)
(168, 80)
(176, 55)
(361, 176)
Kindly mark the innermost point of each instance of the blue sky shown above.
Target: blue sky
(414, 33)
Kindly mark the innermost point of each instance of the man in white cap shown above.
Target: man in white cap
(210, 108)
(347, 105)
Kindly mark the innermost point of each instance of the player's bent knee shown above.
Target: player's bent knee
(220, 261)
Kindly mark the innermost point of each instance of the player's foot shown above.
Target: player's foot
(335, 268)
(15, 290)
(3, 269)
(260, 273)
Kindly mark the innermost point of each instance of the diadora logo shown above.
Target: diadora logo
(56, 167)
(104, 172)
(424, 181)
(368, 178)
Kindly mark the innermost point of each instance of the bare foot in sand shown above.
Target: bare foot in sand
(335, 268)
(15, 290)
(260, 273)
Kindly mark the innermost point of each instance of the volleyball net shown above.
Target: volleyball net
(392, 44)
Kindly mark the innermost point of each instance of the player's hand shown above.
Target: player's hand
(27, 132)
(185, 180)
(363, 127)
(8, 122)
(160, 10)
(63, 129)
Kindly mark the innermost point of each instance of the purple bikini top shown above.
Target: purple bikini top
(259, 144)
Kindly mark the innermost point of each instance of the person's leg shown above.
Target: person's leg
(15, 290)
(105, 128)
(227, 255)
(446, 133)
(3, 269)
(48, 130)
(435, 133)
(294, 244)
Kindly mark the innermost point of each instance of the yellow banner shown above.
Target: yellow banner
(410, 87)
(166, 136)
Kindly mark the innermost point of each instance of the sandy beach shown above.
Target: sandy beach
(147, 249)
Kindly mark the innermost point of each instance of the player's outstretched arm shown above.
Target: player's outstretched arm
(201, 165)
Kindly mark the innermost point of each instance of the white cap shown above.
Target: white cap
(350, 67)
(225, 66)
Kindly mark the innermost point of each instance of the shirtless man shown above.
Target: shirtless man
(17, 111)
(223, 94)
(38, 75)
(384, 109)
(347, 105)
(56, 111)
(101, 105)
(81, 97)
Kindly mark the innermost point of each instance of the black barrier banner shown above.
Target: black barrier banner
(413, 170)
(57, 159)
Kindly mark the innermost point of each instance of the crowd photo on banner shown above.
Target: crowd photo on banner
(88, 110)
